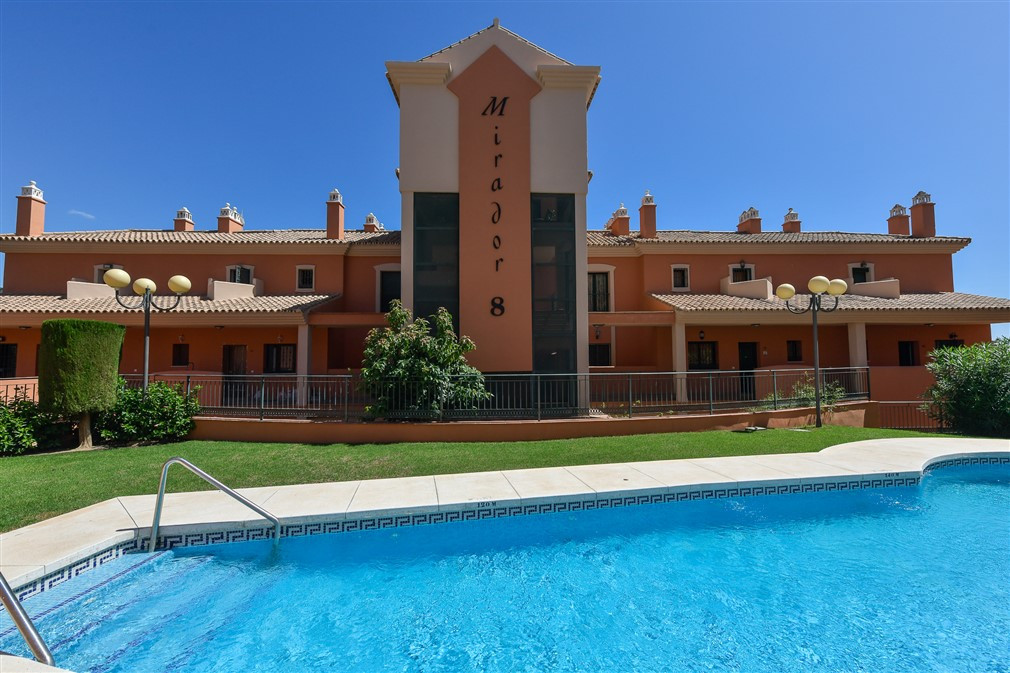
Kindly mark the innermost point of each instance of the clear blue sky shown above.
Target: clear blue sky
(124, 112)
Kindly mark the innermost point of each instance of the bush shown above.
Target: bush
(804, 395)
(413, 369)
(164, 414)
(972, 389)
(24, 427)
(78, 369)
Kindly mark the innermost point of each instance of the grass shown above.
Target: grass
(36, 487)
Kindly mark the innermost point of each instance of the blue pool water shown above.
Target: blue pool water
(900, 579)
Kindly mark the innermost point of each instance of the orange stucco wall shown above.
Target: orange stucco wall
(899, 383)
(771, 340)
(882, 340)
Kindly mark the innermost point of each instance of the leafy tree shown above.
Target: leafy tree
(164, 414)
(415, 369)
(79, 370)
(972, 389)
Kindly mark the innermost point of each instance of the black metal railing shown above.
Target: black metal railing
(911, 415)
(530, 396)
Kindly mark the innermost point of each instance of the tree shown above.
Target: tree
(415, 369)
(79, 370)
(972, 389)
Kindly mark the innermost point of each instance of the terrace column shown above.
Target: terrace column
(302, 359)
(857, 344)
(680, 358)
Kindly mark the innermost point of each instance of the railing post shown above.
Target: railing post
(189, 387)
(711, 395)
(537, 393)
(347, 392)
(775, 390)
(630, 396)
(868, 396)
(263, 395)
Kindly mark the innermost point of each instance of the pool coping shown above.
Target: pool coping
(42, 555)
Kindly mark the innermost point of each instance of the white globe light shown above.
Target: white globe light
(179, 284)
(837, 287)
(142, 284)
(116, 278)
(785, 291)
(818, 284)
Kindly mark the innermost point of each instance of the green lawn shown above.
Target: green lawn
(36, 487)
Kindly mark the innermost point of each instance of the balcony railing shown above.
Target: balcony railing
(531, 396)
(911, 415)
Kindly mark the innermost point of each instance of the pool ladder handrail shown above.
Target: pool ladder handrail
(213, 482)
(24, 623)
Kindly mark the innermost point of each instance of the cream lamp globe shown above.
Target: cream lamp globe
(179, 284)
(116, 278)
(142, 284)
(837, 287)
(785, 291)
(818, 284)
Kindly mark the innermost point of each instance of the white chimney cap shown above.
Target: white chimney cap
(335, 196)
(32, 190)
(648, 199)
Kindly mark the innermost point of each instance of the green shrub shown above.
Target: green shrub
(804, 395)
(78, 369)
(164, 414)
(972, 389)
(413, 369)
(25, 428)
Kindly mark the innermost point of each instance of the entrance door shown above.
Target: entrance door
(748, 362)
(233, 388)
(8, 361)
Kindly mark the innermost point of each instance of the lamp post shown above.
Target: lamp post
(145, 288)
(819, 286)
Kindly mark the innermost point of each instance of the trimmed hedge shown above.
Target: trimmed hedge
(79, 366)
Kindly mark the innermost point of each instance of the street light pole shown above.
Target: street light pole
(145, 288)
(819, 286)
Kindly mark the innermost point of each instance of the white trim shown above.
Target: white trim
(609, 270)
(379, 268)
(871, 274)
(686, 267)
(302, 267)
(252, 272)
(732, 267)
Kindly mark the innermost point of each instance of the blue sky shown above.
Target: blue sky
(124, 112)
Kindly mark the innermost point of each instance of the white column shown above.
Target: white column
(680, 358)
(857, 344)
(303, 358)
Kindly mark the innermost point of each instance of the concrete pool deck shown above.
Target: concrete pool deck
(60, 544)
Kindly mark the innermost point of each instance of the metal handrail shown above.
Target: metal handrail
(213, 482)
(24, 623)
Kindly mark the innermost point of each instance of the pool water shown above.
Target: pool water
(899, 579)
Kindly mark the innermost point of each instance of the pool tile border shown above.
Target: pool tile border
(574, 504)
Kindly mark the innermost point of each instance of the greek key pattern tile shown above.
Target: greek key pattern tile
(73, 570)
(968, 460)
(496, 512)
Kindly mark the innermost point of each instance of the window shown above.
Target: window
(180, 355)
(740, 274)
(948, 343)
(861, 272)
(681, 278)
(436, 254)
(702, 355)
(9, 361)
(553, 240)
(279, 359)
(305, 280)
(389, 289)
(599, 355)
(240, 274)
(908, 353)
(794, 351)
(599, 291)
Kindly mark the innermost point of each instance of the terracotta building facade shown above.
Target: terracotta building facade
(493, 179)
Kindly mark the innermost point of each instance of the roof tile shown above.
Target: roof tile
(941, 301)
(35, 303)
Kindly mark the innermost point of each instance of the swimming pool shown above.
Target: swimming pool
(895, 579)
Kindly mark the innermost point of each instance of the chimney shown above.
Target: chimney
(229, 220)
(791, 223)
(620, 223)
(372, 224)
(31, 217)
(750, 221)
(335, 216)
(647, 217)
(184, 220)
(923, 219)
(897, 223)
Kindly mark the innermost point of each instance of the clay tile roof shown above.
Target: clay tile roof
(36, 303)
(248, 236)
(602, 238)
(940, 301)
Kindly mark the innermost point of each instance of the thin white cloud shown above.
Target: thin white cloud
(81, 213)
